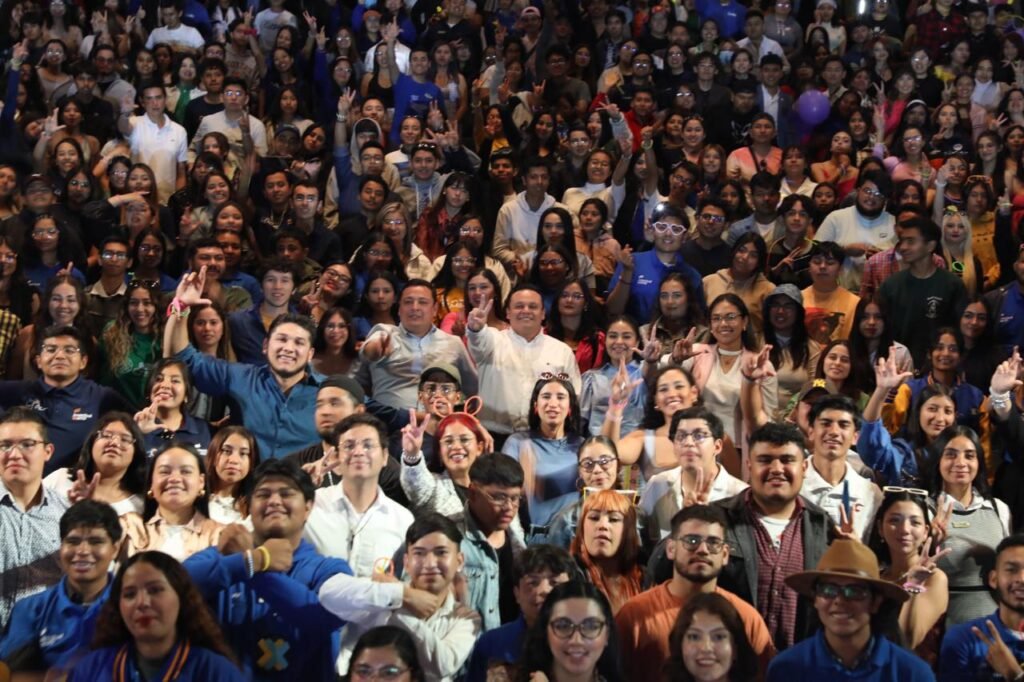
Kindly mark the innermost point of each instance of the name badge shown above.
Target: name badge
(961, 524)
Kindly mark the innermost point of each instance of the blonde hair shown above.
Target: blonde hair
(628, 553)
(399, 208)
(969, 275)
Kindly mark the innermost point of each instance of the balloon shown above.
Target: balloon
(813, 107)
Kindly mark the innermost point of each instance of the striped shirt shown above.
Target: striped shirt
(30, 540)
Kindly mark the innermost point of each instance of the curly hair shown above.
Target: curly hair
(118, 336)
(195, 623)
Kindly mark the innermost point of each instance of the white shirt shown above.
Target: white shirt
(219, 123)
(183, 37)
(60, 482)
(663, 496)
(509, 366)
(162, 148)
(847, 226)
(865, 496)
(771, 103)
(336, 529)
(768, 46)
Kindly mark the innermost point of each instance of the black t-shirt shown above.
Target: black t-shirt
(195, 111)
(507, 605)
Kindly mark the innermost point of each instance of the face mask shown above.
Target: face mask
(725, 56)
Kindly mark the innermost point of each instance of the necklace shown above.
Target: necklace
(730, 353)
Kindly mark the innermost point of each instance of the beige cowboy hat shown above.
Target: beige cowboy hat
(846, 559)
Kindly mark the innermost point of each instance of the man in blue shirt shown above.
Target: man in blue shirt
(537, 570)
(263, 586)
(68, 403)
(847, 592)
(277, 398)
(990, 648)
(635, 285)
(728, 14)
(249, 327)
(1008, 304)
(47, 628)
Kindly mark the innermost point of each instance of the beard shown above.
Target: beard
(869, 214)
(696, 577)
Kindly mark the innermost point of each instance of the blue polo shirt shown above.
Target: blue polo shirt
(811, 658)
(282, 423)
(69, 412)
(648, 272)
(183, 664)
(274, 621)
(962, 657)
(500, 644)
(194, 431)
(53, 623)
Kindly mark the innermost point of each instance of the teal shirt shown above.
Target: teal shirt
(130, 378)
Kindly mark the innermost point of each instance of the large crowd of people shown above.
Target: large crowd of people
(533, 340)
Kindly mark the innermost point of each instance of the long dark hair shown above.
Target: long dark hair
(915, 434)
(933, 479)
(196, 623)
(396, 638)
(747, 336)
(244, 487)
(572, 420)
(134, 479)
(744, 666)
(566, 254)
(875, 540)
(863, 372)
(349, 347)
(445, 278)
(591, 320)
(798, 347)
(364, 309)
(18, 290)
(536, 650)
(201, 504)
(654, 419)
(694, 311)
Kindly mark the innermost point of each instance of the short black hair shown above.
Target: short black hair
(236, 81)
(360, 419)
(303, 321)
(879, 178)
(754, 14)
(558, 50)
(367, 179)
(91, 514)
(25, 415)
(537, 558)
(55, 330)
(930, 232)
(290, 233)
(766, 180)
(416, 282)
(116, 239)
(1009, 542)
(698, 412)
(829, 250)
(497, 469)
(278, 264)
(836, 402)
(535, 162)
(432, 522)
(775, 433)
(285, 468)
(210, 63)
(202, 243)
(771, 59)
(699, 512)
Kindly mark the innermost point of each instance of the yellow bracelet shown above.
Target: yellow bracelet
(265, 553)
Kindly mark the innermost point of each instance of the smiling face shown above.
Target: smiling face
(598, 466)
(432, 562)
(141, 309)
(577, 656)
(17, 468)
(832, 434)
(289, 349)
(958, 463)
(974, 321)
(208, 328)
(85, 555)
(776, 472)
(479, 290)
(937, 413)
(945, 356)
(149, 606)
(459, 449)
(176, 482)
(846, 618)
(279, 509)
(727, 324)
(64, 305)
(837, 363)
(526, 313)
(904, 528)
(552, 405)
(362, 455)
(674, 392)
(708, 647)
(169, 388)
(620, 340)
(691, 454)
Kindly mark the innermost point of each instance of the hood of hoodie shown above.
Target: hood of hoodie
(353, 146)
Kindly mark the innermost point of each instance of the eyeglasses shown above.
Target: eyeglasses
(591, 464)
(697, 436)
(379, 253)
(332, 276)
(305, 199)
(119, 438)
(350, 446)
(79, 183)
(465, 442)
(395, 221)
(502, 500)
(385, 672)
(150, 248)
(693, 542)
(53, 349)
(552, 262)
(712, 218)
(44, 232)
(589, 628)
(675, 228)
(467, 230)
(848, 592)
(910, 491)
(728, 317)
(24, 446)
(571, 296)
(114, 255)
(463, 261)
(871, 193)
(431, 388)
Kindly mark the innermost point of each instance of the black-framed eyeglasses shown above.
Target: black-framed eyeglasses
(591, 464)
(589, 628)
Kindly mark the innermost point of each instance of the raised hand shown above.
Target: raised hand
(459, 325)
(345, 101)
(82, 489)
(20, 51)
(321, 39)
(622, 386)
(412, 435)
(918, 575)
(887, 375)
(998, 655)
(701, 493)
(538, 93)
(435, 119)
(846, 523)
(247, 17)
(758, 367)
(146, 419)
(1006, 375)
(998, 122)
(310, 21)
(613, 110)
(50, 126)
(683, 350)
(190, 289)
(940, 522)
(651, 352)
(477, 318)
(626, 259)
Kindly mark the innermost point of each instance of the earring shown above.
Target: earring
(149, 493)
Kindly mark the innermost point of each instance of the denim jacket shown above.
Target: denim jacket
(481, 569)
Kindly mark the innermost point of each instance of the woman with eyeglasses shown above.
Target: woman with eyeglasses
(176, 518)
(379, 304)
(387, 652)
(80, 189)
(904, 540)
(908, 160)
(437, 228)
(460, 439)
(470, 227)
(335, 344)
(793, 354)
(598, 469)
(112, 458)
(130, 345)
(64, 305)
(607, 545)
(547, 452)
(169, 388)
(605, 180)
(48, 249)
(149, 258)
(451, 281)
(556, 227)
(231, 463)
(333, 289)
(744, 277)
(375, 253)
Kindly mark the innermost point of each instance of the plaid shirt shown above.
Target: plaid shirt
(880, 267)
(936, 33)
(775, 600)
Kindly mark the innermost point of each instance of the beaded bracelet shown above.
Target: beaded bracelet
(249, 563)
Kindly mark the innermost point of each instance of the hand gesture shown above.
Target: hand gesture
(947, 92)
(646, 133)
(520, 267)
(459, 325)
(942, 177)
(20, 51)
(682, 349)
(918, 575)
(321, 39)
(318, 469)
(234, 538)
(280, 554)
(477, 318)
(758, 367)
(878, 119)
(435, 119)
(146, 419)
(613, 110)
(460, 588)
(420, 603)
(247, 17)
(882, 99)
(1006, 375)
(244, 123)
(626, 259)
(701, 493)
(998, 655)
(651, 352)
(622, 386)
(625, 146)
(538, 93)
(887, 375)
(50, 126)
(127, 104)
(310, 21)
(190, 289)
(412, 435)
(345, 101)
(504, 91)
(81, 489)
(998, 122)
(846, 523)
(940, 522)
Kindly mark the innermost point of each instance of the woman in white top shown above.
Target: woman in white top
(231, 459)
(112, 459)
(602, 182)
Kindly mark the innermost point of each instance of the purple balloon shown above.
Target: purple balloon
(813, 107)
